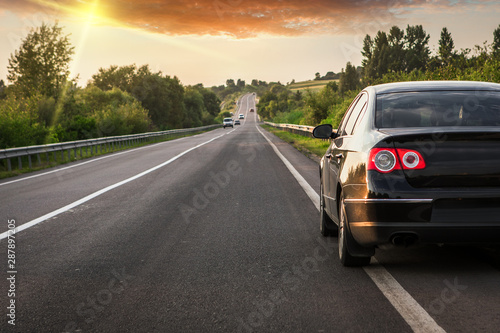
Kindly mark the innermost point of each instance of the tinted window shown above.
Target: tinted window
(342, 125)
(438, 108)
(355, 114)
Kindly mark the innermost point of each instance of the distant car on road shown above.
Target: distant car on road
(227, 122)
(241, 116)
(237, 122)
(251, 110)
(413, 162)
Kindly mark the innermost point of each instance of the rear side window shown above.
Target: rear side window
(349, 127)
(438, 108)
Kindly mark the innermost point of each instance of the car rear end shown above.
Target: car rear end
(435, 175)
(227, 122)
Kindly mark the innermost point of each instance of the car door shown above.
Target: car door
(338, 151)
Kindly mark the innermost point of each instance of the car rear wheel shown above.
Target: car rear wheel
(346, 258)
(326, 226)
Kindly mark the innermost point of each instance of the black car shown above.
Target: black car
(413, 162)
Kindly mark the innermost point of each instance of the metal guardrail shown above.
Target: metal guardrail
(297, 129)
(108, 143)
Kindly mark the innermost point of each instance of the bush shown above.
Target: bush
(19, 125)
(115, 113)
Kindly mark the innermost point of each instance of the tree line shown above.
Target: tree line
(43, 105)
(397, 55)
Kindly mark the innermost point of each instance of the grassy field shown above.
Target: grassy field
(313, 85)
(308, 146)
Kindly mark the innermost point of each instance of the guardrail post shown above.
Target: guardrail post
(39, 160)
(29, 162)
(20, 163)
(9, 166)
(62, 154)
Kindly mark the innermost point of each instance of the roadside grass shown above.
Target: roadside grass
(313, 85)
(308, 146)
(57, 158)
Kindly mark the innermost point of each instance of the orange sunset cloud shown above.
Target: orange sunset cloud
(235, 18)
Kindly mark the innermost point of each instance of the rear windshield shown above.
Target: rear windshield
(438, 108)
(227, 119)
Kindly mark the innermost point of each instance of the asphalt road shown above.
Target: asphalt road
(213, 233)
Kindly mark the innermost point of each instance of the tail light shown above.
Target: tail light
(411, 159)
(386, 160)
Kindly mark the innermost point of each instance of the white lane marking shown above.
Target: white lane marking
(104, 190)
(95, 159)
(412, 312)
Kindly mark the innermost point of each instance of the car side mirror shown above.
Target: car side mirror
(324, 131)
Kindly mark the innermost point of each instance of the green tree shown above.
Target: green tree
(41, 64)
(418, 52)
(298, 95)
(349, 80)
(446, 46)
(115, 112)
(377, 54)
(161, 95)
(19, 125)
(193, 101)
(397, 52)
(381, 54)
(152, 90)
(3, 90)
(319, 104)
(367, 53)
(210, 100)
(496, 40)
(115, 77)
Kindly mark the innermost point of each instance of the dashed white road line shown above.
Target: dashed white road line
(413, 313)
(104, 190)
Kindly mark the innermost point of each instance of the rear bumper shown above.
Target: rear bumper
(460, 221)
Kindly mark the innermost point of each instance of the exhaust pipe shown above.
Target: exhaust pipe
(404, 239)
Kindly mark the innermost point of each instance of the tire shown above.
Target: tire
(326, 226)
(345, 236)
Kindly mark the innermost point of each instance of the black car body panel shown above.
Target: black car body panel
(444, 140)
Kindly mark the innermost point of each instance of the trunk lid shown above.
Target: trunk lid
(465, 157)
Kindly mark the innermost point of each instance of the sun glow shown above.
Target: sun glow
(91, 13)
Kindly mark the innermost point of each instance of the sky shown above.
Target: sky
(210, 41)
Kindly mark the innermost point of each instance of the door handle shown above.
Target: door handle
(339, 155)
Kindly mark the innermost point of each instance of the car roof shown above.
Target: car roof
(432, 85)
